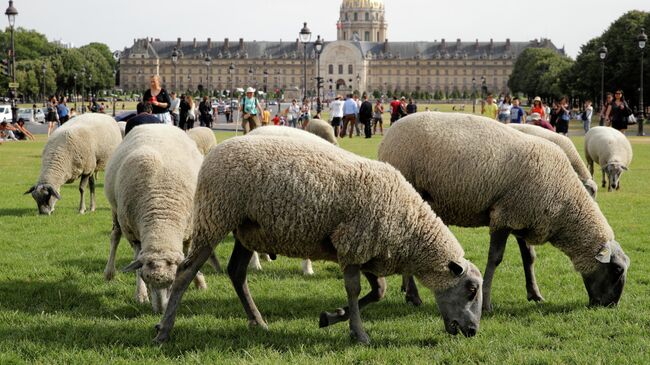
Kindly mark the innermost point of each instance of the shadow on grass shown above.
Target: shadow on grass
(18, 212)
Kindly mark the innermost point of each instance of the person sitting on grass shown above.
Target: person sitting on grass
(8, 131)
(21, 132)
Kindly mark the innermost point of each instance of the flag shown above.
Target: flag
(339, 25)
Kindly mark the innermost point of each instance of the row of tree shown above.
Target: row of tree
(546, 73)
(33, 51)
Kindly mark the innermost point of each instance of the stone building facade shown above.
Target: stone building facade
(362, 58)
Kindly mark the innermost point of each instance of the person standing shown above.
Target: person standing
(358, 124)
(62, 111)
(395, 105)
(411, 108)
(52, 116)
(377, 115)
(603, 111)
(618, 111)
(191, 113)
(517, 113)
(336, 113)
(490, 109)
(586, 115)
(205, 116)
(505, 108)
(305, 110)
(564, 115)
(293, 112)
(350, 111)
(173, 108)
(250, 108)
(538, 108)
(365, 116)
(159, 99)
(183, 108)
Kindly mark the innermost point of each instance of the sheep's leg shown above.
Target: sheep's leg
(495, 256)
(351, 275)
(141, 295)
(116, 235)
(186, 272)
(528, 258)
(590, 164)
(377, 292)
(82, 191)
(240, 258)
(306, 267)
(412, 295)
(91, 184)
(199, 281)
(214, 262)
(255, 262)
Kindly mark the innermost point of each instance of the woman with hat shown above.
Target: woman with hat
(538, 108)
(250, 108)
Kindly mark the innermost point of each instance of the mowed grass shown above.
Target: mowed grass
(55, 306)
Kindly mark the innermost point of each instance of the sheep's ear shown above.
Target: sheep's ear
(456, 268)
(132, 266)
(605, 255)
(624, 167)
(30, 190)
(53, 191)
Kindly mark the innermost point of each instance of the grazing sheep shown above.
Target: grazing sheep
(314, 136)
(150, 184)
(611, 150)
(322, 129)
(122, 126)
(474, 172)
(569, 149)
(307, 204)
(204, 138)
(79, 148)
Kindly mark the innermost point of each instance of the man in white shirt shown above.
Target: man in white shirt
(336, 112)
(293, 112)
(173, 108)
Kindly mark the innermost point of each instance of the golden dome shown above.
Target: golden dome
(362, 4)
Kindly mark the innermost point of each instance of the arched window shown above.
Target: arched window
(350, 70)
(331, 69)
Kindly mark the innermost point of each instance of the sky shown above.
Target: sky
(567, 23)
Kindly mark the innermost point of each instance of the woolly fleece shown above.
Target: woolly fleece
(204, 138)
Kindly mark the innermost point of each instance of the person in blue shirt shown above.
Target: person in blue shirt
(62, 110)
(250, 108)
(517, 113)
(350, 111)
(145, 116)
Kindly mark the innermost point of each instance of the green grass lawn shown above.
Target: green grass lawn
(55, 306)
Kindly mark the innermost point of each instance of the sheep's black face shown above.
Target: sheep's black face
(605, 285)
(614, 172)
(460, 305)
(45, 196)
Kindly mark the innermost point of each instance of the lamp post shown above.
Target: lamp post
(473, 95)
(484, 88)
(305, 37)
(75, 91)
(359, 84)
(642, 39)
(43, 70)
(266, 79)
(175, 62)
(113, 96)
(90, 89)
(208, 63)
(11, 13)
(83, 79)
(602, 53)
(250, 76)
(318, 47)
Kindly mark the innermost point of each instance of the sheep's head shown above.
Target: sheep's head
(614, 172)
(158, 269)
(605, 284)
(591, 187)
(45, 196)
(460, 304)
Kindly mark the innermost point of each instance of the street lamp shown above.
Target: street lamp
(266, 79)
(305, 37)
(318, 47)
(484, 88)
(602, 53)
(231, 69)
(75, 91)
(43, 70)
(83, 79)
(473, 95)
(175, 62)
(113, 96)
(11, 13)
(208, 63)
(90, 89)
(642, 39)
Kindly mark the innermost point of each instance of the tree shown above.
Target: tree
(537, 72)
(622, 65)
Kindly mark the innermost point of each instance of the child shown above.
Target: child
(276, 120)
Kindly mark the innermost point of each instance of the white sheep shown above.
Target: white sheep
(307, 204)
(150, 184)
(569, 149)
(204, 138)
(474, 172)
(611, 150)
(80, 148)
(315, 134)
(122, 126)
(322, 129)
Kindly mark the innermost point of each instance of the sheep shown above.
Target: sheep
(611, 150)
(569, 149)
(79, 148)
(322, 129)
(307, 204)
(318, 135)
(474, 172)
(122, 126)
(204, 138)
(150, 184)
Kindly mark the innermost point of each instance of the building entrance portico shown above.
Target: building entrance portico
(342, 62)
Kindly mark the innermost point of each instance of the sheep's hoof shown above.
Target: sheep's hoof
(361, 337)
(141, 298)
(535, 297)
(161, 336)
(414, 300)
(82, 211)
(109, 274)
(254, 324)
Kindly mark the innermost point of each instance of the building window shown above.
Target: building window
(345, 36)
(377, 40)
(366, 36)
(356, 17)
(331, 69)
(340, 69)
(350, 70)
(367, 17)
(346, 17)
